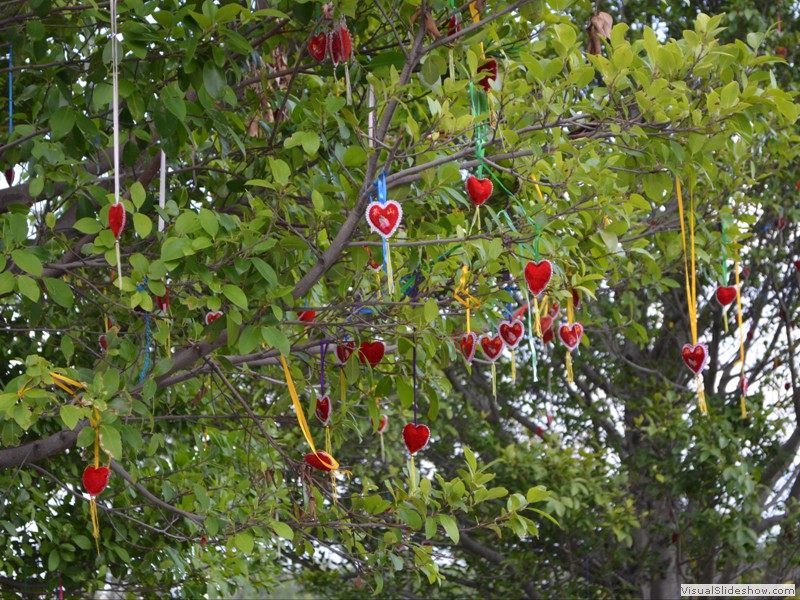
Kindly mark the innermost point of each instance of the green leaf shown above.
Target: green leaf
(212, 80)
(58, 291)
(280, 171)
(283, 530)
(451, 527)
(71, 414)
(28, 288)
(275, 338)
(431, 310)
(138, 195)
(235, 295)
(244, 542)
(308, 139)
(110, 441)
(61, 122)
(7, 400)
(88, 225)
(142, 224)
(537, 494)
(27, 261)
(210, 222)
(172, 97)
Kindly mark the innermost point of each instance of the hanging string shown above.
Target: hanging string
(146, 366)
(570, 319)
(742, 380)
(724, 241)
(115, 120)
(162, 189)
(387, 258)
(323, 349)
(10, 90)
(414, 377)
(371, 116)
(462, 296)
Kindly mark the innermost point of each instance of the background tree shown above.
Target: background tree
(271, 165)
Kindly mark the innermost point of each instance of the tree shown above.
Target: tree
(272, 159)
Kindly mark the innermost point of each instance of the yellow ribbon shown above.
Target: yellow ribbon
(389, 273)
(741, 330)
(462, 295)
(301, 418)
(64, 382)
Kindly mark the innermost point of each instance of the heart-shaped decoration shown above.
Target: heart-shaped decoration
(317, 46)
(341, 44)
(547, 336)
(10, 176)
(725, 294)
(554, 309)
(546, 323)
(780, 223)
(454, 26)
(162, 302)
(323, 410)
(344, 350)
(489, 70)
(382, 421)
(374, 266)
(116, 218)
(103, 342)
(95, 479)
(492, 346)
(212, 316)
(796, 266)
(371, 352)
(512, 332)
(571, 335)
(479, 190)
(743, 385)
(695, 357)
(307, 316)
(468, 344)
(384, 219)
(576, 298)
(416, 437)
(538, 275)
(321, 460)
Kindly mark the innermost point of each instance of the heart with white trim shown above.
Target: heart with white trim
(468, 344)
(383, 420)
(344, 350)
(571, 335)
(416, 437)
(323, 410)
(695, 356)
(384, 219)
(116, 218)
(512, 332)
(492, 346)
(212, 316)
(479, 190)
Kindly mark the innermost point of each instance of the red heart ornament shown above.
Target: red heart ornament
(489, 69)
(374, 266)
(382, 421)
(95, 479)
(454, 26)
(384, 219)
(796, 266)
(103, 342)
(492, 346)
(571, 335)
(323, 410)
(725, 294)
(468, 344)
(341, 44)
(162, 302)
(307, 316)
(116, 218)
(576, 298)
(371, 352)
(512, 332)
(316, 460)
(546, 323)
(538, 275)
(695, 357)
(416, 437)
(547, 336)
(212, 316)
(479, 190)
(555, 308)
(317, 46)
(10, 176)
(344, 350)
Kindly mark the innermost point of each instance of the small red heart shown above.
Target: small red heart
(103, 342)
(492, 346)
(116, 218)
(479, 190)
(546, 323)
(454, 26)
(797, 265)
(547, 336)
(512, 332)
(743, 385)
(371, 352)
(538, 275)
(382, 421)
(212, 316)
(468, 344)
(95, 479)
(317, 46)
(576, 299)
(321, 460)
(344, 350)
(489, 69)
(725, 294)
(695, 356)
(323, 410)
(416, 437)
(384, 218)
(307, 316)
(163, 302)
(10, 176)
(374, 266)
(555, 308)
(341, 44)
(571, 335)
(780, 224)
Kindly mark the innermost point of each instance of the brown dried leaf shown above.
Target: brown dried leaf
(599, 26)
(429, 22)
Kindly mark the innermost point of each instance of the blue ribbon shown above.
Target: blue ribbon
(381, 184)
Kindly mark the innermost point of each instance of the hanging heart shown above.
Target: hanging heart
(468, 344)
(538, 275)
(103, 342)
(341, 43)
(547, 324)
(454, 26)
(489, 70)
(212, 316)
(695, 356)
(9, 173)
(796, 266)
(323, 410)
(492, 346)
(344, 350)
(95, 479)
(548, 336)
(384, 219)
(576, 298)
(382, 421)
(318, 46)
(316, 460)
(371, 352)
(373, 266)
(725, 294)
(479, 190)
(116, 218)
(512, 332)
(571, 335)
(162, 302)
(555, 308)
(307, 316)
(416, 437)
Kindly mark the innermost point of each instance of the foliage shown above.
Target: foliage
(270, 170)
